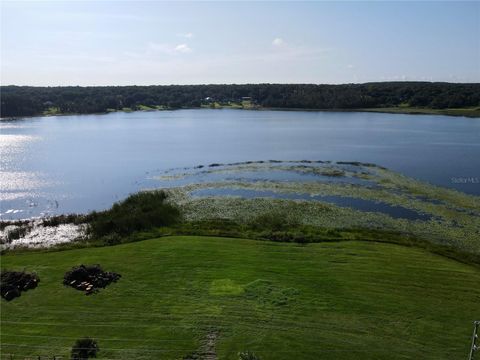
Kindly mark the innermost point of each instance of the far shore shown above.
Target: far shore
(454, 112)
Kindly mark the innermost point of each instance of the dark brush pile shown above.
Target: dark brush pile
(89, 278)
(14, 282)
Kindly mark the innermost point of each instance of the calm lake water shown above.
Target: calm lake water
(52, 165)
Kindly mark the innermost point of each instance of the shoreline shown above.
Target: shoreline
(467, 113)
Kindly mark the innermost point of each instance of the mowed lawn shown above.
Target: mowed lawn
(344, 300)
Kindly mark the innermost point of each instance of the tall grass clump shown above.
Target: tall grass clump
(138, 212)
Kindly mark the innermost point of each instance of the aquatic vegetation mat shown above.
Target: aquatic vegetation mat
(89, 278)
(332, 195)
(13, 283)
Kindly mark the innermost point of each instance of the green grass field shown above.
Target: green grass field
(341, 300)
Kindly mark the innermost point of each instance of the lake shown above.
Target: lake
(65, 164)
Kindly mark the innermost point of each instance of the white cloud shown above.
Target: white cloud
(182, 48)
(350, 66)
(156, 48)
(278, 42)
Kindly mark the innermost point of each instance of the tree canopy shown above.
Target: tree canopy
(28, 100)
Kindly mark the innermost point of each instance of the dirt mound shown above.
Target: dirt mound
(14, 282)
(89, 278)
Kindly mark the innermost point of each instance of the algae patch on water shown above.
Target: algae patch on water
(342, 195)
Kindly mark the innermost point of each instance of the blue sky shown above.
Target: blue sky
(143, 43)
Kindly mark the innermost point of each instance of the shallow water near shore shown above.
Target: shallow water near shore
(74, 164)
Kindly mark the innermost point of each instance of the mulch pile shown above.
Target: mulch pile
(14, 282)
(89, 278)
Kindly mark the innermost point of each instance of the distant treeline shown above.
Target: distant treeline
(26, 100)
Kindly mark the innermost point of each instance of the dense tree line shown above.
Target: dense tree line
(27, 100)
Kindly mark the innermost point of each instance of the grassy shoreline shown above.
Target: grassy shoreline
(441, 220)
(466, 112)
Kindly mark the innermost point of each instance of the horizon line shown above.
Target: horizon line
(259, 83)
